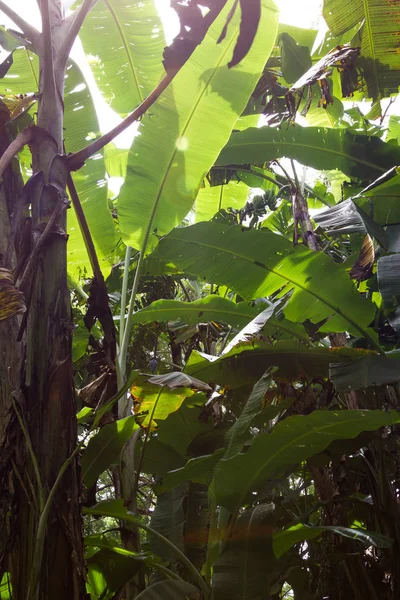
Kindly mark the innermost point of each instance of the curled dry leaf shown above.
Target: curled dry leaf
(178, 379)
(11, 300)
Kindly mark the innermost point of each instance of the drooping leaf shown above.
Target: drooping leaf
(317, 147)
(117, 565)
(295, 59)
(196, 469)
(168, 518)
(284, 540)
(247, 362)
(239, 432)
(105, 447)
(252, 328)
(250, 20)
(365, 372)
(177, 379)
(211, 308)
(179, 142)
(292, 441)
(182, 426)
(158, 458)
(381, 21)
(257, 263)
(125, 41)
(245, 567)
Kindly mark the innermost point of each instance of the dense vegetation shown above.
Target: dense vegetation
(199, 374)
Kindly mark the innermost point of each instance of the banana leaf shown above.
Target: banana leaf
(292, 441)
(247, 361)
(359, 156)
(179, 141)
(379, 63)
(125, 41)
(257, 263)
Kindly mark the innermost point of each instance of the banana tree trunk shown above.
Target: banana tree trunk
(45, 553)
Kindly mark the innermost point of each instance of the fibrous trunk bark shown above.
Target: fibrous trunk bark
(46, 561)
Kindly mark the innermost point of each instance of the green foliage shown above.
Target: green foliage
(105, 447)
(247, 286)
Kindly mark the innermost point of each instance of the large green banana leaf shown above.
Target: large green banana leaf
(292, 441)
(216, 308)
(379, 39)
(210, 200)
(80, 125)
(187, 127)
(257, 263)
(245, 568)
(247, 361)
(359, 156)
(285, 539)
(105, 447)
(125, 42)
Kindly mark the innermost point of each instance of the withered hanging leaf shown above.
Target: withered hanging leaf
(11, 300)
(362, 268)
(178, 379)
(341, 58)
(251, 14)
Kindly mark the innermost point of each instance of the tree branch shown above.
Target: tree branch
(77, 160)
(74, 24)
(31, 33)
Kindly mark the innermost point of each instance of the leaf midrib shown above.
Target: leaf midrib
(335, 309)
(292, 442)
(126, 46)
(181, 134)
(305, 146)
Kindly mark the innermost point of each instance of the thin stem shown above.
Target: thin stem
(77, 160)
(76, 21)
(128, 325)
(84, 227)
(31, 33)
(31, 453)
(128, 255)
(139, 468)
(188, 564)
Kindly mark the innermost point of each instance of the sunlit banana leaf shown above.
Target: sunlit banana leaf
(211, 308)
(81, 125)
(317, 147)
(179, 141)
(257, 263)
(292, 441)
(379, 62)
(125, 42)
(210, 200)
